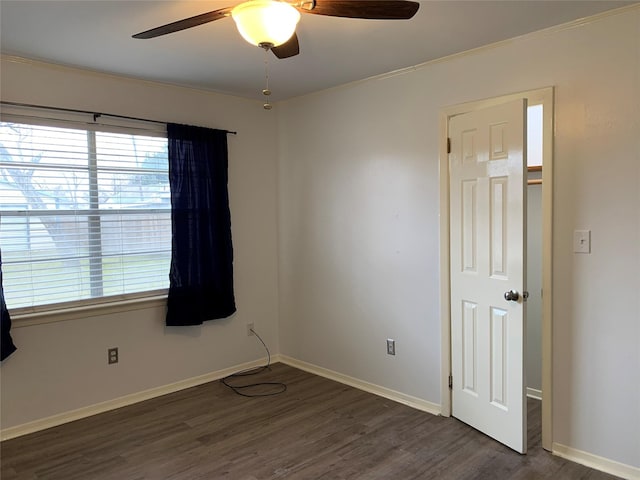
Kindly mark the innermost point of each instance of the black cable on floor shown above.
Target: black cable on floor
(238, 389)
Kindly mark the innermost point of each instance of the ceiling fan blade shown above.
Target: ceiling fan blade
(290, 48)
(371, 9)
(185, 23)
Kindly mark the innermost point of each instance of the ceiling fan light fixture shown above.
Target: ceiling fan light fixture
(270, 22)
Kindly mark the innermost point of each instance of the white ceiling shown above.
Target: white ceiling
(96, 34)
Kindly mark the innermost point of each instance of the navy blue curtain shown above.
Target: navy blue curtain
(6, 346)
(201, 275)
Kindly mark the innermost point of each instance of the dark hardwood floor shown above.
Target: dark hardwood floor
(317, 429)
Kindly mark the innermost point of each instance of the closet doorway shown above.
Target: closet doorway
(542, 102)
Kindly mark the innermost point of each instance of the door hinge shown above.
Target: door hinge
(450, 382)
(448, 145)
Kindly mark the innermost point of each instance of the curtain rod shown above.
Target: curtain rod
(96, 115)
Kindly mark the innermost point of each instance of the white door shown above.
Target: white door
(487, 260)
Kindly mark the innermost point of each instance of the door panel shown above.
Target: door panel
(487, 222)
(469, 231)
(499, 334)
(470, 359)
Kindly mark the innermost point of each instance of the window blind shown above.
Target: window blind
(84, 213)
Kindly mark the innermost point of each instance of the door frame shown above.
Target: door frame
(542, 96)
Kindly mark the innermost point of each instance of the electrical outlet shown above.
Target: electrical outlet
(112, 355)
(391, 346)
(249, 329)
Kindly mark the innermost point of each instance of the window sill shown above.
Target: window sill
(21, 320)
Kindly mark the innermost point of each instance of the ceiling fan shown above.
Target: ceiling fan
(270, 24)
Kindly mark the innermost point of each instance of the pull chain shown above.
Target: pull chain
(266, 92)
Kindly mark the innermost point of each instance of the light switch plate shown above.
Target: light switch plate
(582, 241)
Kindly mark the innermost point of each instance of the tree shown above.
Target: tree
(17, 172)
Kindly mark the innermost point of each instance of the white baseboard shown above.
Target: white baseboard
(409, 400)
(534, 393)
(70, 416)
(594, 461)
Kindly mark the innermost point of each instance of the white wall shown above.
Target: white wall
(63, 366)
(359, 223)
(533, 362)
(535, 148)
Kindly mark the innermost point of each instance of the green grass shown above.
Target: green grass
(68, 280)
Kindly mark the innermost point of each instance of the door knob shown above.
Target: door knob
(511, 296)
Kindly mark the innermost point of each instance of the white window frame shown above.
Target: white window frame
(103, 305)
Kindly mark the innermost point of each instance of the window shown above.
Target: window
(84, 210)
